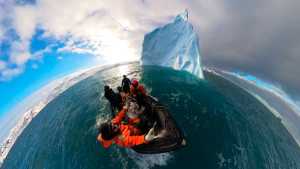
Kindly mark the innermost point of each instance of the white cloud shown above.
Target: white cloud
(2, 28)
(1, 32)
(9, 73)
(20, 53)
(113, 30)
(109, 29)
(39, 54)
(25, 21)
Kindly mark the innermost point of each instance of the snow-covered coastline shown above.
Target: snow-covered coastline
(41, 98)
(46, 95)
(17, 130)
(288, 113)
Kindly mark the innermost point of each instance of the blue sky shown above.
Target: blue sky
(39, 72)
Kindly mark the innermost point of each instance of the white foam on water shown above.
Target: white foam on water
(147, 161)
(117, 154)
(223, 162)
(102, 118)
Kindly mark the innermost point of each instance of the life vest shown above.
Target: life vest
(129, 137)
(127, 117)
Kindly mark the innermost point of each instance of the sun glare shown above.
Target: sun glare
(114, 49)
(119, 51)
(123, 70)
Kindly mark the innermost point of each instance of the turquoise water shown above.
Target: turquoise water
(225, 127)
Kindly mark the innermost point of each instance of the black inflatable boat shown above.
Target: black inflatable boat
(172, 137)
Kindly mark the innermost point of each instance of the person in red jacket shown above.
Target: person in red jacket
(137, 88)
(125, 136)
(138, 92)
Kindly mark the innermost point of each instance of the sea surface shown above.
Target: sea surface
(225, 127)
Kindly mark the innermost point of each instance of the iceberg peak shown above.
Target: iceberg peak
(174, 45)
(183, 16)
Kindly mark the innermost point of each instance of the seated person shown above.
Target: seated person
(130, 113)
(138, 92)
(123, 135)
(112, 97)
(137, 88)
(121, 97)
(126, 84)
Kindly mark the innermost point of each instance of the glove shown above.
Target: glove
(151, 135)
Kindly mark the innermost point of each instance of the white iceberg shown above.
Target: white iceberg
(173, 45)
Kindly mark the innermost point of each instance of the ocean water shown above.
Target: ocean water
(224, 126)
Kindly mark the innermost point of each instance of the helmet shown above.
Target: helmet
(135, 83)
(106, 87)
(106, 131)
(119, 89)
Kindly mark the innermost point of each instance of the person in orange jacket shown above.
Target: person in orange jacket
(125, 136)
(130, 114)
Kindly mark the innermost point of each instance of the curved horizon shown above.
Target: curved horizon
(52, 89)
(45, 48)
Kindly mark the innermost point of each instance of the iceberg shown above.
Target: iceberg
(174, 45)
